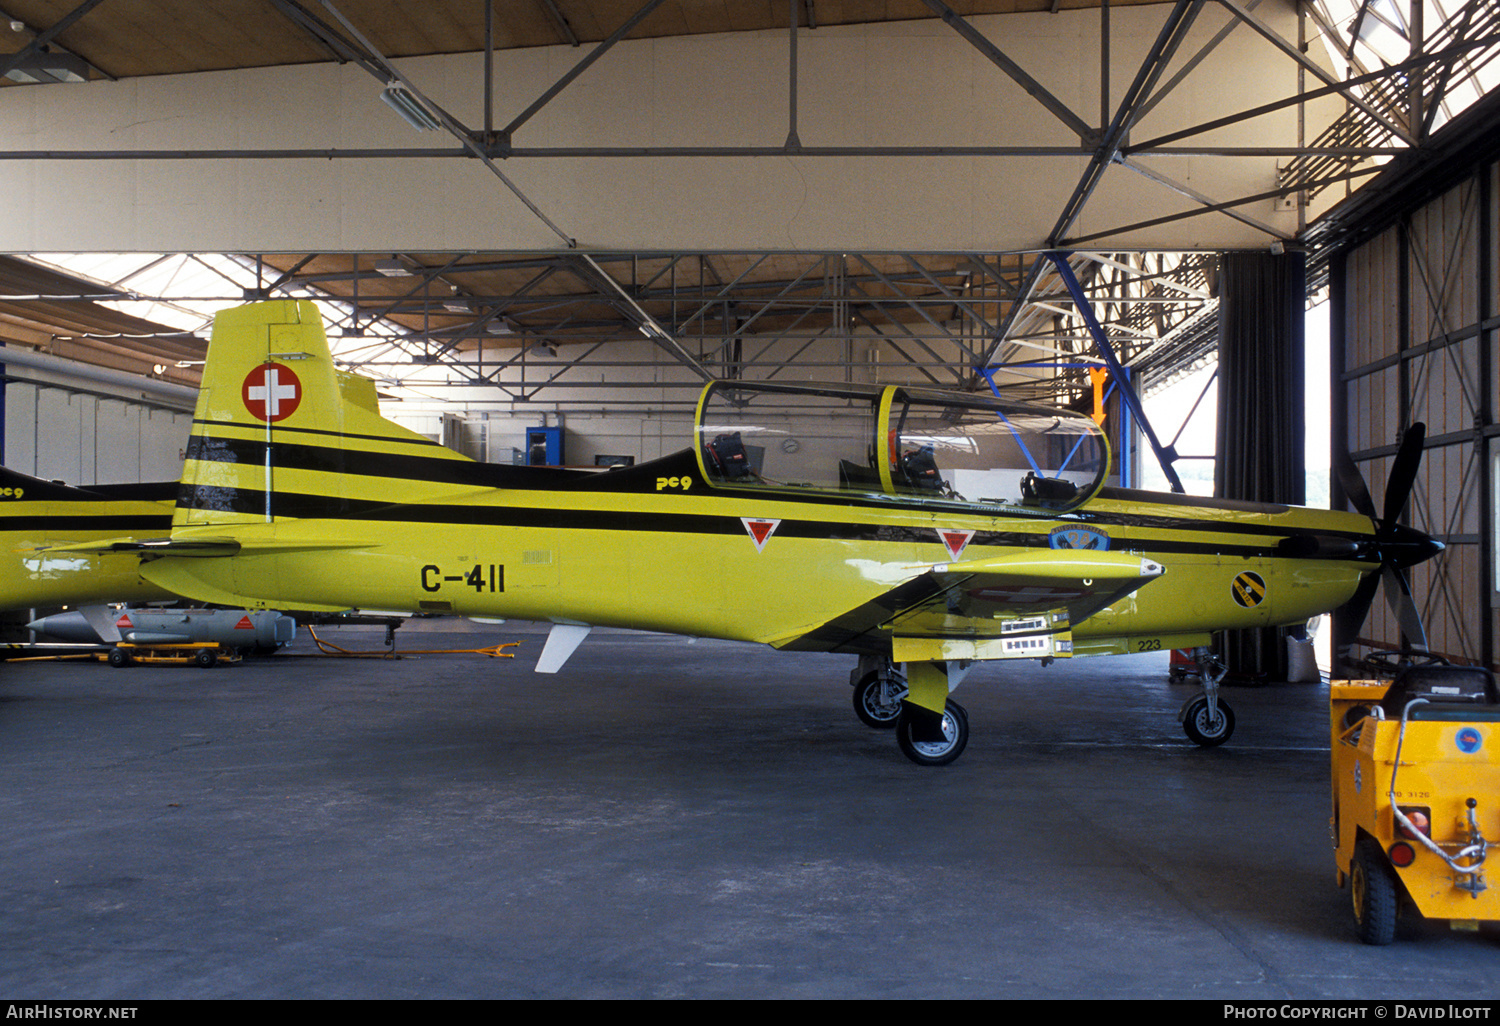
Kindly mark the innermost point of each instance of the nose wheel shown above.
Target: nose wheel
(1206, 726)
(1207, 720)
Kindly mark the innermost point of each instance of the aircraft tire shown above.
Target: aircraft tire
(1374, 893)
(206, 658)
(1204, 732)
(868, 707)
(119, 658)
(935, 753)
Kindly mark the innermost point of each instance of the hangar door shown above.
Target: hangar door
(1413, 335)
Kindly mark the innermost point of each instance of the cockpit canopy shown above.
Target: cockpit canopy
(921, 444)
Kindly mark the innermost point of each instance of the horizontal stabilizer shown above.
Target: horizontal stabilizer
(201, 548)
(149, 546)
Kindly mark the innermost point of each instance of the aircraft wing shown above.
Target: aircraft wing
(1019, 605)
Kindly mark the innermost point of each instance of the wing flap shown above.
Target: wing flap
(980, 609)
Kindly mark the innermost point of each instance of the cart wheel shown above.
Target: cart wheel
(869, 706)
(1204, 731)
(119, 658)
(1374, 892)
(206, 658)
(935, 753)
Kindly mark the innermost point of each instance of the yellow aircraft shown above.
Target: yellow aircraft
(49, 533)
(901, 525)
(37, 516)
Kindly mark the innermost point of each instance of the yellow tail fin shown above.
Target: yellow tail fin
(279, 432)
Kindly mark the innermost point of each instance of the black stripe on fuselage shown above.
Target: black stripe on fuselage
(643, 478)
(317, 432)
(422, 468)
(320, 507)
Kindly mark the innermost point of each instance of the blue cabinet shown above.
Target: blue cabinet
(544, 447)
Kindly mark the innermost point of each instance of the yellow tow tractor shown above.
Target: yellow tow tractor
(204, 654)
(1416, 783)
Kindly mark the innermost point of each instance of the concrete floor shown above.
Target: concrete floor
(667, 819)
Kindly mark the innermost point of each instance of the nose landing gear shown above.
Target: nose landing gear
(1207, 721)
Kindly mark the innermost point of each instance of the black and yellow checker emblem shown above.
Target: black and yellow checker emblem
(1249, 589)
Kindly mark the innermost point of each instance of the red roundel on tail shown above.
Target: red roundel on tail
(272, 392)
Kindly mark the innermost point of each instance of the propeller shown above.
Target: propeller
(1397, 545)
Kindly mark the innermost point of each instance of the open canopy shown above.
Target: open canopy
(923, 445)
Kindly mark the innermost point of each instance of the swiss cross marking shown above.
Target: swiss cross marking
(272, 392)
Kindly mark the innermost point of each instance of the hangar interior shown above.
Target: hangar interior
(570, 214)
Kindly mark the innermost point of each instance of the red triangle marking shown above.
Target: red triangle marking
(124, 621)
(760, 531)
(955, 541)
(244, 624)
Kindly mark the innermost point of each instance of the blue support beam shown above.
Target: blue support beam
(1166, 455)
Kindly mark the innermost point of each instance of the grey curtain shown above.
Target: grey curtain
(1262, 423)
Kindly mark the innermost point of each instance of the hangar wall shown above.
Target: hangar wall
(1415, 324)
(897, 84)
(78, 437)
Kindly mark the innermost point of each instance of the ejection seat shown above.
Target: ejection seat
(919, 470)
(726, 457)
(1051, 492)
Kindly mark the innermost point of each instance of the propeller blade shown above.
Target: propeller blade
(1351, 615)
(1354, 486)
(1399, 546)
(1398, 597)
(1403, 473)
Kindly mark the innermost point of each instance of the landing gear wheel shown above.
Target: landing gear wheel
(206, 658)
(1374, 893)
(119, 658)
(871, 705)
(1204, 730)
(935, 753)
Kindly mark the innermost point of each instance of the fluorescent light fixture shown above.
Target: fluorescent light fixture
(409, 108)
(49, 69)
(392, 268)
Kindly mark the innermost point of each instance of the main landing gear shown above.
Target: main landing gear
(1206, 719)
(885, 700)
(926, 737)
(928, 746)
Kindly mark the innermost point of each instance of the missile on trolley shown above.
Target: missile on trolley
(240, 629)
